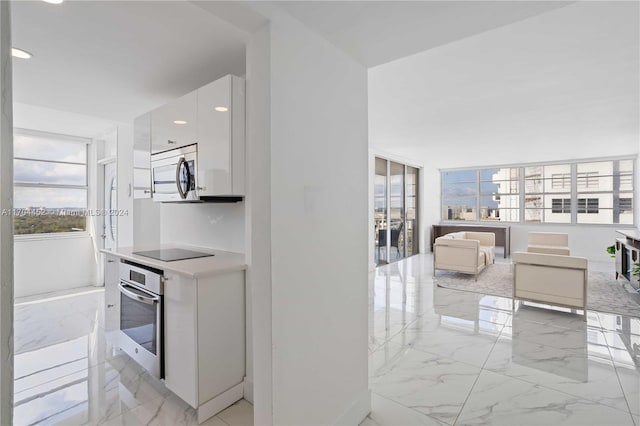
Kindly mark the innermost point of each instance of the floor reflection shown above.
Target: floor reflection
(67, 371)
(455, 357)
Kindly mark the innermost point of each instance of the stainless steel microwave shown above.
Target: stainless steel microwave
(174, 175)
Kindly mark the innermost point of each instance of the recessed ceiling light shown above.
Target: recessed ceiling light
(53, 1)
(221, 109)
(19, 53)
(179, 122)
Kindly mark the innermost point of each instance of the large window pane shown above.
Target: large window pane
(46, 210)
(48, 148)
(380, 210)
(396, 211)
(50, 176)
(412, 211)
(27, 171)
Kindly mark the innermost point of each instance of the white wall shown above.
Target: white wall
(259, 379)
(319, 234)
(43, 265)
(562, 85)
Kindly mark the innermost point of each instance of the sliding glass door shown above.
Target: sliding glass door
(395, 211)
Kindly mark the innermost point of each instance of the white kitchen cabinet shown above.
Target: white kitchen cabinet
(174, 125)
(180, 343)
(142, 156)
(111, 292)
(221, 137)
(111, 303)
(204, 342)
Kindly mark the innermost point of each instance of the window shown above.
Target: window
(601, 186)
(594, 192)
(560, 180)
(396, 194)
(50, 183)
(588, 205)
(490, 193)
(499, 194)
(460, 195)
(588, 180)
(561, 205)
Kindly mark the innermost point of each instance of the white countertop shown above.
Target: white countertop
(222, 261)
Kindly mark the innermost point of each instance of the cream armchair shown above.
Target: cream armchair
(466, 252)
(550, 278)
(548, 243)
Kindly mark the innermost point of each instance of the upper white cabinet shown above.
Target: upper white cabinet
(214, 118)
(174, 125)
(142, 156)
(221, 135)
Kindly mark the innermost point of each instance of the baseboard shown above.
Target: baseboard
(219, 403)
(248, 390)
(358, 411)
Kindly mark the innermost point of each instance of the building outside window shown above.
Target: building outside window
(50, 183)
(542, 187)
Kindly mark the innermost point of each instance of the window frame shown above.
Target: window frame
(87, 187)
(572, 191)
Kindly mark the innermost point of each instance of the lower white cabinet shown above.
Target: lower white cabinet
(111, 293)
(204, 339)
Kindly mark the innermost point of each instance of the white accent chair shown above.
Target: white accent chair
(548, 243)
(466, 252)
(550, 278)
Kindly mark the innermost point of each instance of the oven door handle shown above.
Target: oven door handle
(137, 295)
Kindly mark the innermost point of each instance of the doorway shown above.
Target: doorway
(395, 211)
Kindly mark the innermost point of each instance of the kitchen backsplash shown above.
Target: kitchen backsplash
(217, 226)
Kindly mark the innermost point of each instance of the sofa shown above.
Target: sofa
(550, 278)
(548, 243)
(466, 252)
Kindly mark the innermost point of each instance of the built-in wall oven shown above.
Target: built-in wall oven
(141, 315)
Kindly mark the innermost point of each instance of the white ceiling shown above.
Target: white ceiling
(119, 59)
(376, 32)
(563, 84)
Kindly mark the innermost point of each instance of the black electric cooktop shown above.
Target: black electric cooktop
(171, 254)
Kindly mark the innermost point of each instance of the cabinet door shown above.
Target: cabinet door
(142, 157)
(111, 293)
(221, 333)
(221, 137)
(174, 125)
(180, 345)
(214, 137)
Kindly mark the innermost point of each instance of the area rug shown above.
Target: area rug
(604, 293)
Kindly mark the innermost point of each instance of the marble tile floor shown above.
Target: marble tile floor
(447, 357)
(66, 374)
(437, 356)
